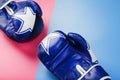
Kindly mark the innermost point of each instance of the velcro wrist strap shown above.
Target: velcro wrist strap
(96, 72)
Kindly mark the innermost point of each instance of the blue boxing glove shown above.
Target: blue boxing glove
(21, 20)
(70, 57)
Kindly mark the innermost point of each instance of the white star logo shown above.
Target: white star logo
(27, 18)
(46, 41)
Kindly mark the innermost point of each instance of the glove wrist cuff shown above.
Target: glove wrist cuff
(96, 72)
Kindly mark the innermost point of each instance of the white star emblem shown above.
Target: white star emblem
(46, 41)
(27, 18)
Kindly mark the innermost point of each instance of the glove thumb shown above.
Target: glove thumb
(78, 41)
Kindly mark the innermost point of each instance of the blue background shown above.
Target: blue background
(98, 21)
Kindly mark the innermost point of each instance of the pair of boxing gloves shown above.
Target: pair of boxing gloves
(69, 57)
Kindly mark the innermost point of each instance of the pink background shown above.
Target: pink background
(18, 61)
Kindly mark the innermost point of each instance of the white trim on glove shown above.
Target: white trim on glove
(105, 77)
(83, 72)
(9, 10)
(5, 4)
(87, 71)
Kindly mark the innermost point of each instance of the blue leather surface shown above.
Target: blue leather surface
(98, 21)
